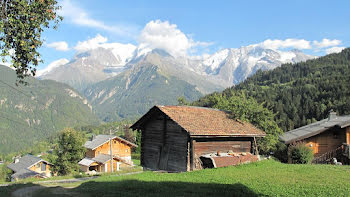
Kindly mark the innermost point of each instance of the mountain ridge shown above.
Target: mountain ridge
(225, 67)
(34, 112)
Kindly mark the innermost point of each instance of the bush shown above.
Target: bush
(299, 153)
(135, 156)
(281, 152)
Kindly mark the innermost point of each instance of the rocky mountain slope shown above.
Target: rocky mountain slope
(34, 112)
(232, 66)
(154, 79)
(86, 68)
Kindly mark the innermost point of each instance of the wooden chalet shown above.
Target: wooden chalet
(184, 138)
(105, 150)
(30, 166)
(328, 138)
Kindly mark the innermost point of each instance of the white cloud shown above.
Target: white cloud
(79, 16)
(91, 44)
(51, 66)
(60, 46)
(121, 51)
(326, 43)
(287, 43)
(166, 36)
(334, 50)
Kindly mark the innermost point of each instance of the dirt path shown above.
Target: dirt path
(29, 191)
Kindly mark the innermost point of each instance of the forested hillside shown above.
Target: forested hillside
(34, 112)
(300, 93)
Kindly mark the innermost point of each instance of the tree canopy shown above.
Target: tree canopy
(21, 25)
(68, 152)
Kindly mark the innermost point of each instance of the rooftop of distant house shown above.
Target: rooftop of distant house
(315, 128)
(99, 140)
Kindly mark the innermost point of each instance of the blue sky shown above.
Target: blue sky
(197, 27)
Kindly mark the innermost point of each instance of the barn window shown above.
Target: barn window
(126, 150)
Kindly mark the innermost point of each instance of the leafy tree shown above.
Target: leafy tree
(5, 173)
(182, 101)
(138, 141)
(21, 25)
(68, 152)
(249, 110)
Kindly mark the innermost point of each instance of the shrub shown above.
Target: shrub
(135, 156)
(299, 153)
(281, 152)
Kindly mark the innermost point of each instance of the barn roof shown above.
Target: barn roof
(102, 139)
(25, 162)
(315, 128)
(200, 121)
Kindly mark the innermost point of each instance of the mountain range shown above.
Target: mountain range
(126, 83)
(300, 93)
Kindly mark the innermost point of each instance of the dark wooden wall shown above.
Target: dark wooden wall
(164, 145)
(224, 145)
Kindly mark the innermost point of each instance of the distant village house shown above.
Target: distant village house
(30, 166)
(106, 148)
(184, 138)
(328, 138)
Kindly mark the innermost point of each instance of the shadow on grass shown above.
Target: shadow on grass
(8, 190)
(143, 188)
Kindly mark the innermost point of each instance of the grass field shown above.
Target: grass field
(265, 178)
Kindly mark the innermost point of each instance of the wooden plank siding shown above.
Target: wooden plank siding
(118, 148)
(201, 148)
(164, 145)
(38, 168)
(327, 141)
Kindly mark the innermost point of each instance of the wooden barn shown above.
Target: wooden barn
(328, 138)
(185, 138)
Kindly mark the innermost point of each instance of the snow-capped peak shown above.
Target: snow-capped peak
(51, 66)
(216, 59)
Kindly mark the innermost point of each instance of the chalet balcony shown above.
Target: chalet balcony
(342, 154)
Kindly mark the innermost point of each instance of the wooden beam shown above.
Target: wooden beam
(256, 147)
(192, 144)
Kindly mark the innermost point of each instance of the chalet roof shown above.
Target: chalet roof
(101, 158)
(200, 121)
(24, 173)
(102, 139)
(315, 128)
(25, 162)
(86, 161)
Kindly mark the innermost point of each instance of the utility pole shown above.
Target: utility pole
(110, 147)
